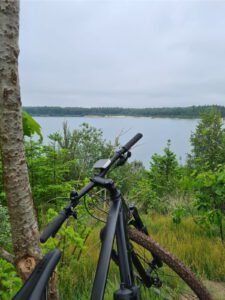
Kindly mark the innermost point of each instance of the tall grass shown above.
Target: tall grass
(203, 254)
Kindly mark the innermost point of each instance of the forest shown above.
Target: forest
(171, 112)
(182, 205)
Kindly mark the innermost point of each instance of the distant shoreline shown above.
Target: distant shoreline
(191, 112)
(113, 116)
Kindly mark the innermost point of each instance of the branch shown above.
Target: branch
(7, 256)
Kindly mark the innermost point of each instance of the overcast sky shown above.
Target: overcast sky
(122, 53)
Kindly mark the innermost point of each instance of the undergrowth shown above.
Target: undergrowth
(203, 254)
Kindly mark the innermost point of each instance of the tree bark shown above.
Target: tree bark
(7, 256)
(24, 226)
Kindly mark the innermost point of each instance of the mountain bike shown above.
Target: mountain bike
(125, 225)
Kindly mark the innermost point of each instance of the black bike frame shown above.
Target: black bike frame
(115, 226)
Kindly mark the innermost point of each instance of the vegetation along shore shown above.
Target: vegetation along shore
(162, 112)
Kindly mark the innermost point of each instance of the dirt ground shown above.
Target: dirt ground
(217, 289)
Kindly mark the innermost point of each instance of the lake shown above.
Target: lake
(156, 132)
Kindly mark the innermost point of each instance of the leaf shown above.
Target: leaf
(219, 192)
(30, 126)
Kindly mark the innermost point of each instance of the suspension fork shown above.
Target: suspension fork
(125, 266)
(139, 225)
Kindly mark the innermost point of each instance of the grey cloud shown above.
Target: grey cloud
(121, 53)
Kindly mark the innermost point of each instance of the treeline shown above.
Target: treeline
(172, 112)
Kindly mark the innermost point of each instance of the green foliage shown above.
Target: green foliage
(86, 144)
(210, 198)
(5, 232)
(178, 214)
(164, 172)
(143, 195)
(127, 177)
(69, 158)
(30, 126)
(172, 112)
(71, 236)
(10, 283)
(186, 181)
(208, 143)
(49, 170)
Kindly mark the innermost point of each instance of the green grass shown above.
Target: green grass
(191, 244)
(203, 253)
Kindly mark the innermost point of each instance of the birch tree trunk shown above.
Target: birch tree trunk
(16, 182)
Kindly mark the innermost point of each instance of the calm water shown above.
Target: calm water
(155, 132)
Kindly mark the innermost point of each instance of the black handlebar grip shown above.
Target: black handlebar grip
(133, 141)
(53, 227)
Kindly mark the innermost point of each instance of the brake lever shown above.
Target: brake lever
(122, 160)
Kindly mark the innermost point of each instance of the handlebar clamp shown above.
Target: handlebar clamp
(106, 183)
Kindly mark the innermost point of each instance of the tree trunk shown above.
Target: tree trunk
(16, 182)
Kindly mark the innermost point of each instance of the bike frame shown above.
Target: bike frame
(115, 226)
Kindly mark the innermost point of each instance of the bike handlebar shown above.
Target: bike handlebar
(57, 222)
(53, 227)
(133, 141)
